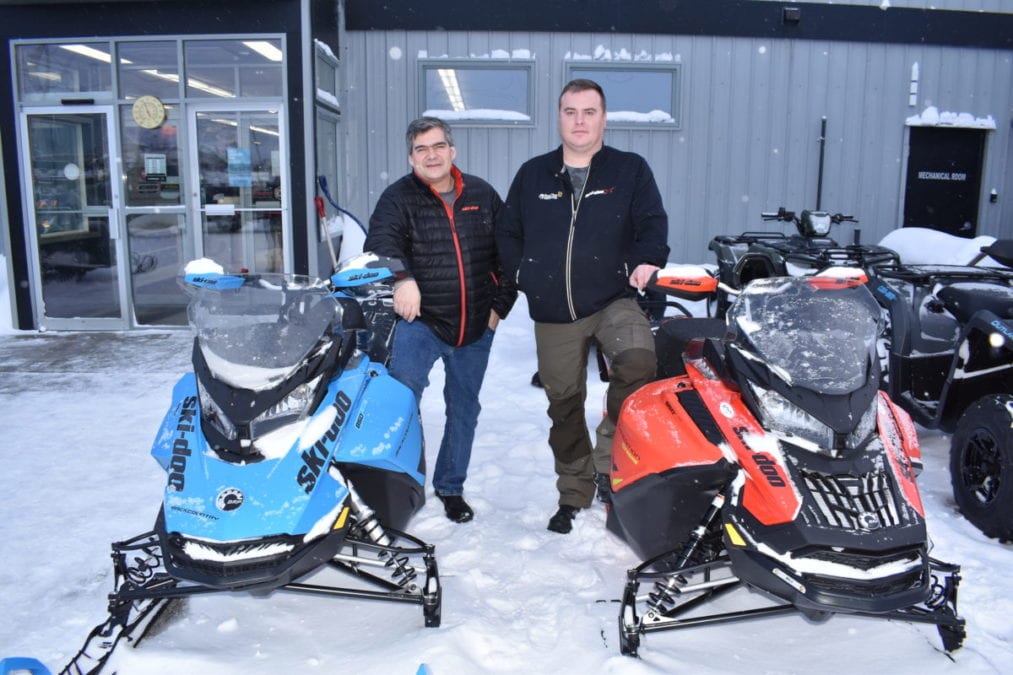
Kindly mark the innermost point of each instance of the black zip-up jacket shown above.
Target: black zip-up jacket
(572, 254)
(450, 251)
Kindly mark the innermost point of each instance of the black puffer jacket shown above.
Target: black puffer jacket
(572, 255)
(451, 253)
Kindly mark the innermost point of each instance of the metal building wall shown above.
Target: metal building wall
(751, 115)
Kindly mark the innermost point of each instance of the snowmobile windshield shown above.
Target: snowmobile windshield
(254, 336)
(823, 339)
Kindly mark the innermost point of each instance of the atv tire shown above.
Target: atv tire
(981, 465)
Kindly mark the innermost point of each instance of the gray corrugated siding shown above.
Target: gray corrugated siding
(751, 113)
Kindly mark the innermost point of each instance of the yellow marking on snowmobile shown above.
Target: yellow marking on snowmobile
(340, 522)
(634, 457)
(734, 535)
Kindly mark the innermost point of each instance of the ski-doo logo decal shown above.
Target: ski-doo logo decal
(726, 409)
(229, 499)
(362, 275)
(469, 208)
(315, 458)
(181, 446)
(769, 469)
(551, 195)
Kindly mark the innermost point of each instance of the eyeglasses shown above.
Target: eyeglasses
(442, 146)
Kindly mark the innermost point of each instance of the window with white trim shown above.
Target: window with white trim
(636, 95)
(472, 92)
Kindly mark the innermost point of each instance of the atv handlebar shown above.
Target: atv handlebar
(790, 216)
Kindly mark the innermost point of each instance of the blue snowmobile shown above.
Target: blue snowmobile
(288, 449)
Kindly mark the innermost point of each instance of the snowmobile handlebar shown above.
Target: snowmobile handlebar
(689, 282)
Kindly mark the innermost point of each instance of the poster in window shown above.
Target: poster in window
(240, 173)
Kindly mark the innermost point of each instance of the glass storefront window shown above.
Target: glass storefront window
(230, 68)
(155, 241)
(148, 68)
(205, 179)
(240, 181)
(245, 240)
(70, 181)
(52, 70)
(151, 161)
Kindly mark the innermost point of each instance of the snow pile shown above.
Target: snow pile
(931, 117)
(924, 246)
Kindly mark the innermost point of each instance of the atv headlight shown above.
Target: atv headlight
(815, 223)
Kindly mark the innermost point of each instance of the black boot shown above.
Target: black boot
(562, 521)
(602, 487)
(456, 508)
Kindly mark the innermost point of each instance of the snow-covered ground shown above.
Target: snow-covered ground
(517, 598)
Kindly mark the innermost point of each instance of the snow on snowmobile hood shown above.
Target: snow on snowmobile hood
(255, 335)
(820, 338)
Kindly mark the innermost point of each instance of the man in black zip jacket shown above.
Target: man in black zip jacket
(441, 224)
(585, 228)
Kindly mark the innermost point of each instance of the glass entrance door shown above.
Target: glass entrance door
(74, 225)
(239, 193)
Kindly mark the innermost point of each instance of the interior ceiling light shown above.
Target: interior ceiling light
(209, 89)
(265, 49)
(449, 78)
(90, 52)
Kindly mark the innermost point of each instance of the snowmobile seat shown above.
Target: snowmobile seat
(674, 334)
(1000, 250)
(966, 300)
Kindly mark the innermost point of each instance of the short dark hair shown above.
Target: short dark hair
(582, 85)
(423, 124)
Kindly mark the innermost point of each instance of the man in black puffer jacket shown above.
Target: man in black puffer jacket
(584, 231)
(441, 223)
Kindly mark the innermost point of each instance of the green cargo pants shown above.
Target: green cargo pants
(624, 336)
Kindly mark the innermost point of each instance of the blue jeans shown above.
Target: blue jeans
(413, 354)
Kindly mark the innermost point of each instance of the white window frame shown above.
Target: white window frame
(525, 65)
(674, 70)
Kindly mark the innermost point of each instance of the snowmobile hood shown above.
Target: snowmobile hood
(291, 493)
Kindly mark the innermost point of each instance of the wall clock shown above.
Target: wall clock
(149, 112)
